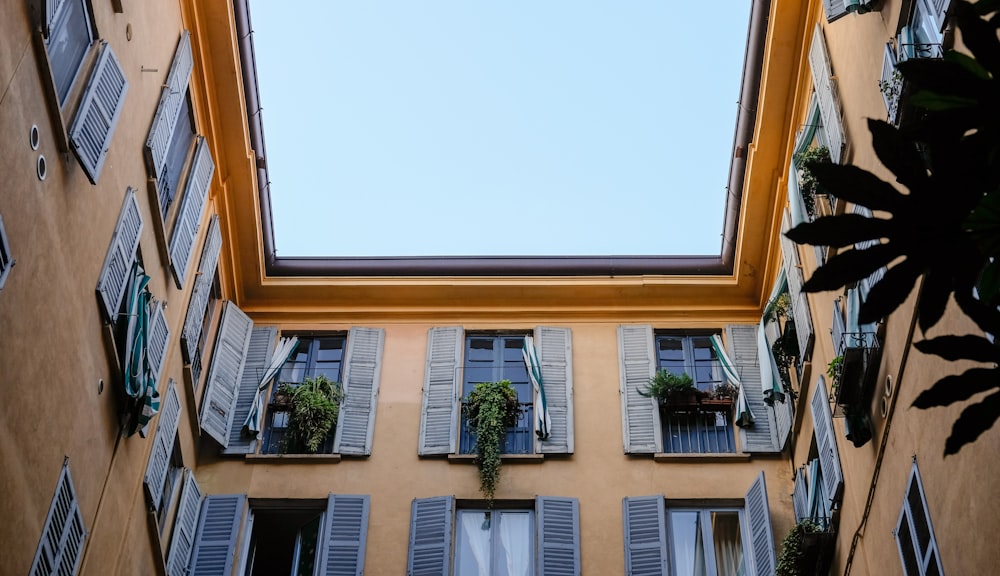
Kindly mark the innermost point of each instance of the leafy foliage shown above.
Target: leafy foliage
(791, 560)
(946, 229)
(491, 408)
(809, 186)
(314, 407)
(664, 383)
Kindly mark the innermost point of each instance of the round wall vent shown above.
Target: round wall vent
(33, 137)
(41, 167)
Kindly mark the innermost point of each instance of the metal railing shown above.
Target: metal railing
(520, 438)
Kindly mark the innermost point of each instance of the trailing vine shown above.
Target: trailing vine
(792, 552)
(491, 408)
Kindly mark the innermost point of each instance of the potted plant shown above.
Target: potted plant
(673, 390)
(808, 185)
(491, 408)
(721, 399)
(781, 306)
(314, 406)
(833, 370)
(282, 398)
(794, 557)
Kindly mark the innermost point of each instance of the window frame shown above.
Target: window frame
(494, 528)
(925, 557)
(705, 522)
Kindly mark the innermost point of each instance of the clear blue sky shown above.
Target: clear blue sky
(467, 127)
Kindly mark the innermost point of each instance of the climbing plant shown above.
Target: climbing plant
(491, 408)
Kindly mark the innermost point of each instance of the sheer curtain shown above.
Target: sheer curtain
(728, 544)
(515, 537)
(477, 540)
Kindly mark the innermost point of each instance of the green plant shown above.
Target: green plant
(664, 383)
(833, 369)
(781, 307)
(724, 391)
(792, 557)
(491, 408)
(314, 407)
(809, 186)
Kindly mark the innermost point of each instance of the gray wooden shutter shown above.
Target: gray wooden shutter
(192, 206)
(799, 299)
(262, 342)
(226, 372)
(118, 263)
(430, 536)
(829, 108)
(159, 337)
(761, 437)
(940, 12)
(163, 446)
(800, 496)
(834, 9)
(783, 421)
(644, 521)
(218, 528)
(341, 549)
(558, 530)
(202, 290)
(362, 371)
(640, 415)
(826, 441)
(555, 354)
(439, 413)
(185, 526)
(761, 538)
(101, 105)
(168, 110)
(61, 544)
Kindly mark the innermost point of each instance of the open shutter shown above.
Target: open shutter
(341, 549)
(865, 284)
(644, 520)
(800, 496)
(262, 341)
(940, 12)
(829, 108)
(761, 538)
(202, 291)
(761, 437)
(826, 442)
(362, 369)
(640, 415)
(101, 105)
(430, 536)
(439, 413)
(192, 206)
(799, 300)
(555, 354)
(168, 110)
(834, 9)
(558, 536)
(159, 337)
(118, 262)
(218, 528)
(163, 446)
(185, 526)
(63, 533)
(226, 373)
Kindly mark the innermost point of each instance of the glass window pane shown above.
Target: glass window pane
(472, 546)
(728, 543)
(670, 354)
(479, 350)
(68, 42)
(330, 350)
(686, 544)
(920, 526)
(910, 567)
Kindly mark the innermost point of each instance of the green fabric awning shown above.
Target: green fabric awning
(138, 378)
(543, 422)
(744, 416)
(286, 347)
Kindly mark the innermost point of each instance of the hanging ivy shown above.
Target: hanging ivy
(791, 562)
(491, 408)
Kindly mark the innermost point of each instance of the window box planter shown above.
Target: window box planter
(682, 400)
(717, 404)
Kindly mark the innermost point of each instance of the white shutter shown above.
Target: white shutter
(362, 370)
(799, 299)
(940, 12)
(640, 415)
(826, 442)
(834, 9)
(645, 526)
(159, 337)
(555, 354)
(341, 546)
(163, 446)
(439, 412)
(61, 544)
(192, 206)
(185, 526)
(167, 112)
(218, 528)
(761, 437)
(761, 537)
(202, 290)
(829, 107)
(101, 105)
(429, 551)
(118, 262)
(228, 360)
(800, 496)
(258, 357)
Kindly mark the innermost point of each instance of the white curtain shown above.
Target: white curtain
(478, 540)
(728, 544)
(515, 537)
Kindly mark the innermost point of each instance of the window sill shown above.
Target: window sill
(701, 458)
(292, 458)
(506, 458)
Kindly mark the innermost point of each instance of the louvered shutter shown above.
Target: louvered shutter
(866, 284)
(940, 12)
(163, 446)
(837, 328)
(826, 442)
(262, 341)
(218, 528)
(226, 373)
(800, 496)
(761, 437)
(439, 413)
(192, 206)
(341, 548)
(63, 533)
(430, 536)
(101, 105)
(558, 530)
(168, 110)
(118, 262)
(640, 415)
(362, 370)
(834, 9)
(159, 337)
(644, 521)
(51, 8)
(185, 527)
(799, 299)
(555, 354)
(783, 417)
(761, 538)
(829, 108)
(202, 290)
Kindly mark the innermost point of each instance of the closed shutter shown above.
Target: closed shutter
(761, 538)
(800, 496)
(640, 415)
(558, 536)
(218, 528)
(163, 446)
(362, 370)
(63, 533)
(192, 206)
(439, 412)
(185, 527)
(168, 110)
(644, 520)
(202, 291)
(118, 262)
(829, 108)
(555, 354)
(430, 536)
(101, 105)
(800, 301)
(834, 9)
(341, 547)
(226, 373)
(262, 340)
(826, 442)
(762, 436)
(159, 337)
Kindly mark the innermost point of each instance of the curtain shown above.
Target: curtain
(728, 543)
(515, 537)
(286, 347)
(769, 382)
(477, 539)
(543, 422)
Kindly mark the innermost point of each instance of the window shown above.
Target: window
(491, 358)
(914, 534)
(920, 36)
(516, 538)
(706, 541)
(67, 41)
(61, 543)
(827, 97)
(164, 468)
(180, 146)
(6, 260)
(201, 307)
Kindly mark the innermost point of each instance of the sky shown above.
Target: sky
(471, 127)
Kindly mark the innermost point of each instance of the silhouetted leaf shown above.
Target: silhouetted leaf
(848, 267)
(979, 36)
(984, 224)
(954, 348)
(933, 299)
(889, 292)
(989, 283)
(957, 387)
(984, 7)
(943, 77)
(974, 420)
(858, 186)
(986, 317)
(899, 154)
(968, 62)
(930, 100)
(839, 231)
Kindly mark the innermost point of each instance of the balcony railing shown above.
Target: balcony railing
(520, 439)
(697, 432)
